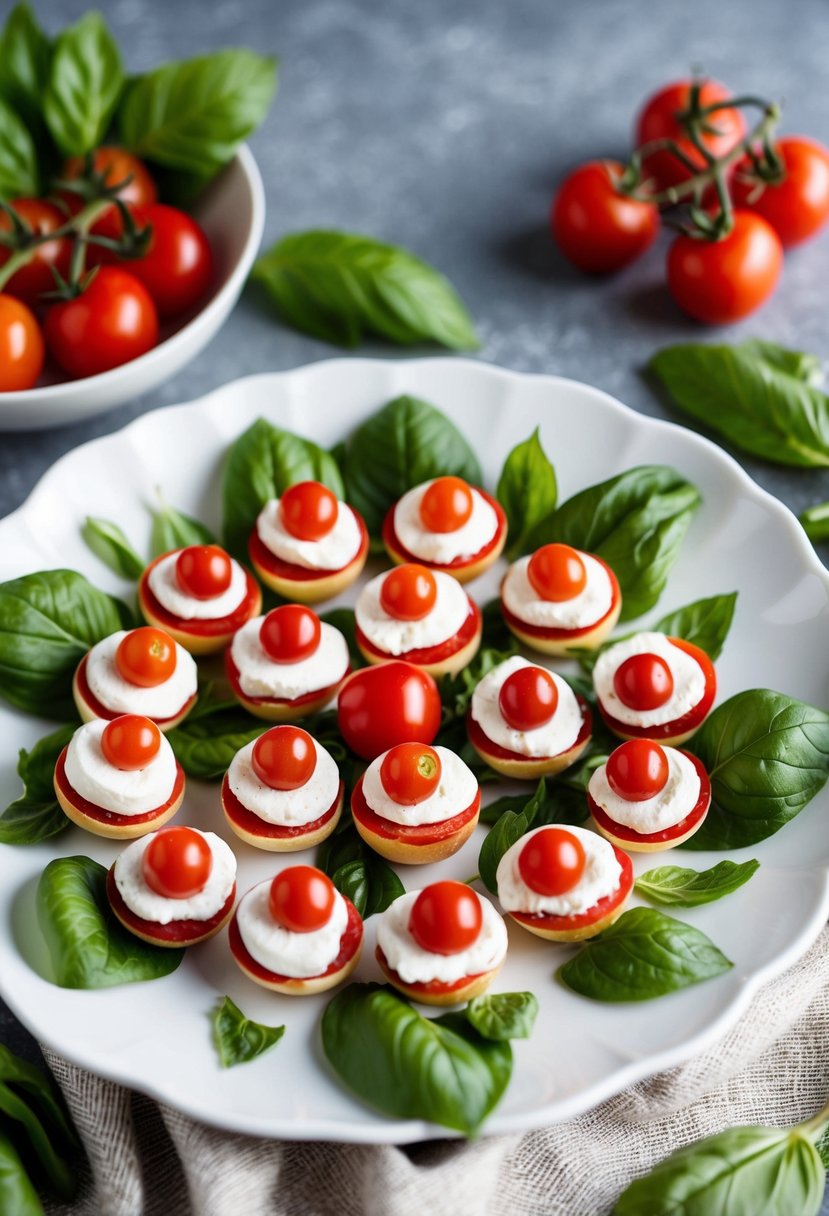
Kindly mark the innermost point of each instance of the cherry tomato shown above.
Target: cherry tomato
(446, 918)
(637, 770)
(595, 226)
(301, 899)
(112, 321)
(308, 510)
(290, 633)
(177, 268)
(552, 861)
(391, 703)
(446, 505)
(177, 862)
(408, 592)
(21, 346)
(528, 698)
(722, 281)
(410, 773)
(284, 758)
(659, 119)
(798, 207)
(204, 571)
(643, 681)
(30, 281)
(130, 742)
(115, 165)
(146, 657)
(557, 573)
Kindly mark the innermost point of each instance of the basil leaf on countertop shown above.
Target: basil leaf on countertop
(356, 870)
(673, 885)
(527, 490)
(338, 286)
(797, 363)
(48, 621)
(207, 740)
(645, 954)
(815, 522)
(767, 756)
(262, 463)
(410, 1066)
(85, 83)
(88, 946)
(193, 115)
(636, 522)
(503, 1015)
(173, 529)
(36, 814)
(26, 56)
(236, 1038)
(109, 542)
(405, 443)
(19, 174)
(705, 622)
(17, 1194)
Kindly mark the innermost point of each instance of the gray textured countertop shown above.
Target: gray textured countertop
(444, 126)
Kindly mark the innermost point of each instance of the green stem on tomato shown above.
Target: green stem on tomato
(76, 228)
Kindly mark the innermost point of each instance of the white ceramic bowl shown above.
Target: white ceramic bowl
(232, 213)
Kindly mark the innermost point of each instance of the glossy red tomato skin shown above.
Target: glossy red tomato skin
(112, 322)
(146, 656)
(718, 282)
(36, 277)
(308, 510)
(446, 505)
(177, 268)
(284, 757)
(301, 899)
(290, 633)
(597, 228)
(22, 349)
(798, 207)
(528, 698)
(637, 770)
(552, 861)
(446, 918)
(557, 573)
(130, 742)
(643, 681)
(177, 862)
(204, 571)
(658, 120)
(410, 773)
(408, 592)
(387, 704)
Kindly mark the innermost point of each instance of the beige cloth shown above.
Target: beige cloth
(146, 1160)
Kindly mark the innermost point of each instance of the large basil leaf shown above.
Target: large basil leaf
(58, 1173)
(174, 530)
(17, 1195)
(767, 756)
(88, 947)
(194, 114)
(356, 870)
(527, 490)
(815, 522)
(48, 621)
(19, 175)
(263, 462)
(797, 363)
(206, 742)
(37, 1086)
(337, 286)
(36, 814)
(412, 1067)
(26, 58)
(405, 443)
(706, 623)
(237, 1039)
(744, 1171)
(109, 542)
(636, 522)
(689, 888)
(504, 1015)
(645, 954)
(85, 83)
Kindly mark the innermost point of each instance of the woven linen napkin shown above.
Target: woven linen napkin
(148, 1160)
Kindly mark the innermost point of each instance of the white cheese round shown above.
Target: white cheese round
(443, 547)
(442, 622)
(164, 584)
(556, 736)
(143, 901)
(457, 790)
(688, 678)
(260, 676)
(164, 700)
(331, 552)
(297, 955)
(125, 792)
(285, 808)
(415, 965)
(601, 877)
(583, 610)
(675, 800)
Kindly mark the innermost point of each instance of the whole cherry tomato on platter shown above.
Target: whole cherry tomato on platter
(379, 707)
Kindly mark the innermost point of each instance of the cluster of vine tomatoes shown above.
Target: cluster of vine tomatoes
(767, 193)
(92, 295)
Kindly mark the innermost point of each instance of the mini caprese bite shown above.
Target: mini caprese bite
(200, 596)
(308, 545)
(651, 686)
(140, 671)
(174, 887)
(119, 778)
(296, 933)
(421, 616)
(648, 797)
(447, 525)
(442, 945)
(287, 664)
(560, 597)
(526, 722)
(283, 792)
(564, 884)
(416, 803)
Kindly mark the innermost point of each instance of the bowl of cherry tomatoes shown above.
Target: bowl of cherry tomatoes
(87, 323)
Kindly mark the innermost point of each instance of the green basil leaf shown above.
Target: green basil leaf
(48, 621)
(36, 814)
(57, 1172)
(174, 530)
(456, 691)
(453, 735)
(495, 635)
(410, 1066)
(345, 620)
(17, 1195)
(636, 522)
(85, 83)
(88, 946)
(206, 742)
(26, 58)
(705, 623)
(263, 462)
(41, 1093)
(797, 363)
(510, 827)
(493, 811)
(19, 174)
(822, 1146)
(756, 404)
(337, 286)
(503, 1016)
(193, 115)
(515, 815)
(815, 522)
(645, 954)
(740, 1172)
(767, 756)
(405, 443)
(108, 541)
(689, 888)
(527, 490)
(370, 883)
(237, 1039)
